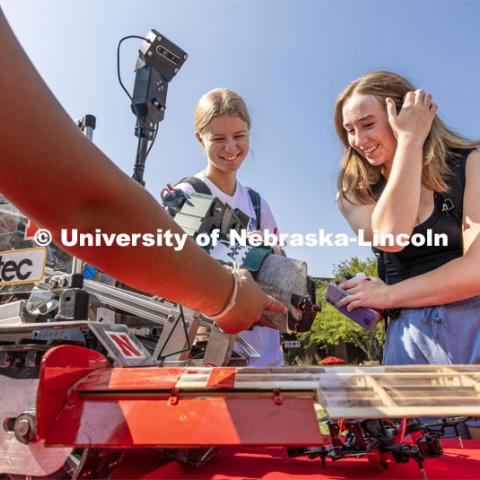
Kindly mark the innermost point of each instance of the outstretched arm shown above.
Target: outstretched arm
(52, 173)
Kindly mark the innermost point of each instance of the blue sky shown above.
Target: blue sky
(289, 59)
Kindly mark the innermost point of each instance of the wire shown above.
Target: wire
(181, 318)
(152, 140)
(118, 67)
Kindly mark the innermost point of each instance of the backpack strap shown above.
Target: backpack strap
(198, 185)
(451, 202)
(257, 204)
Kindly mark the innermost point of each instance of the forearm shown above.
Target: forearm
(54, 175)
(397, 208)
(188, 275)
(454, 281)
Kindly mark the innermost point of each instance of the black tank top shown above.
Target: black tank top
(446, 218)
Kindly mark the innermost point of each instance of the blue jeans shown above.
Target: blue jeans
(444, 334)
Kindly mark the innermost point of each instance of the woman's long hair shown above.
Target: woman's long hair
(357, 176)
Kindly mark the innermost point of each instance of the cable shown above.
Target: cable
(118, 67)
(152, 140)
(181, 318)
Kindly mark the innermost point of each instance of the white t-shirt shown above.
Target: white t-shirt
(266, 341)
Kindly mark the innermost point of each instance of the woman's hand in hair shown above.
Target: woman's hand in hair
(414, 121)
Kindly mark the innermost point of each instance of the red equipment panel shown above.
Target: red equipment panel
(174, 407)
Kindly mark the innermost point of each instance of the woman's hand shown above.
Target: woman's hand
(370, 292)
(415, 118)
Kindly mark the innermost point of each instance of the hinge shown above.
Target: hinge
(277, 396)
(174, 396)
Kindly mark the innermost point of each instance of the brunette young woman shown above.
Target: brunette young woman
(404, 173)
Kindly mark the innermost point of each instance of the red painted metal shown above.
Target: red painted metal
(193, 421)
(61, 367)
(222, 378)
(83, 402)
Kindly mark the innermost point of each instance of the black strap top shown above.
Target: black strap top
(446, 218)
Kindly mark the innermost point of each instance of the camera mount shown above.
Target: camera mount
(158, 62)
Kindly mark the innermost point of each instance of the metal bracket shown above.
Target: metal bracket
(277, 396)
(174, 397)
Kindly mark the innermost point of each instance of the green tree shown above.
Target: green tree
(331, 327)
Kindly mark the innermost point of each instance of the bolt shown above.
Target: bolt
(24, 428)
(159, 38)
(149, 53)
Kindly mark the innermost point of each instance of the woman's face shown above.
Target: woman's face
(369, 133)
(226, 143)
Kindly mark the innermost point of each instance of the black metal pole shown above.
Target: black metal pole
(139, 168)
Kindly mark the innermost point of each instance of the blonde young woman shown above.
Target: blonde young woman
(404, 172)
(222, 126)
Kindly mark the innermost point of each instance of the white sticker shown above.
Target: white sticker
(226, 253)
(26, 265)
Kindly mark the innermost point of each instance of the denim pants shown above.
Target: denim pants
(444, 334)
